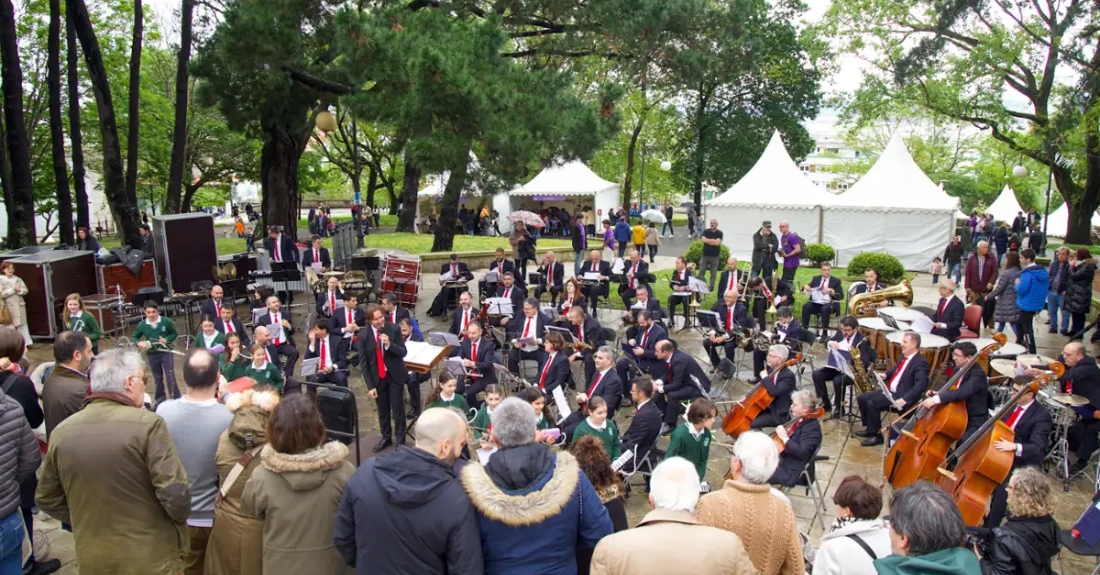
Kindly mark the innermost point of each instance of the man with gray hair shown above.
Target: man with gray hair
(669, 539)
(96, 470)
(748, 507)
(980, 277)
(530, 501)
(780, 381)
(926, 534)
(406, 512)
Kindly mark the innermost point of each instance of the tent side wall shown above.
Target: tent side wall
(604, 202)
(739, 223)
(502, 203)
(912, 237)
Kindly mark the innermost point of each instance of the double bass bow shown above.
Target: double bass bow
(740, 416)
(980, 467)
(816, 414)
(927, 437)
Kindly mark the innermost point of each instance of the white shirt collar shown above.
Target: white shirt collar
(695, 434)
(262, 367)
(153, 323)
(446, 398)
(597, 427)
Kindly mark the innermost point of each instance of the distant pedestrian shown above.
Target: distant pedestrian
(652, 241)
(692, 216)
(790, 249)
(712, 249)
(668, 222)
(936, 270)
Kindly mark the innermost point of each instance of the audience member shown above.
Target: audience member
(1029, 540)
(65, 388)
(857, 536)
(596, 465)
(926, 534)
(19, 459)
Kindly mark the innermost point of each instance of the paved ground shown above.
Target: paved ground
(846, 456)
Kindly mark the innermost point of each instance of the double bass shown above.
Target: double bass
(740, 416)
(816, 414)
(926, 439)
(980, 468)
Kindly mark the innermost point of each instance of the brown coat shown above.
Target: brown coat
(671, 542)
(764, 523)
(297, 495)
(63, 394)
(237, 542)
(112, 473)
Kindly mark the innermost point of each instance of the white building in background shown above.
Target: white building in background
(830, 150)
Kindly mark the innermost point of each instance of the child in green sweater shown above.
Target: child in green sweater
(692, 439)
(537, 400)
(234, 359)
(78, 319)
(481, 425)
(443, 394)
(209, 337)
(599, 426)
(263, 371)
(155, 336)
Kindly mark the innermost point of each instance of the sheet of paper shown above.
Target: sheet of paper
(316, 266)
(421, 353)
(592, 276)
(442, 338)
(618, 267)
(562, 403)
(484, 454)
(446, 277)
(276, 330)
(782, 336)
(843, 345)
(638, 305)
(309, 367)
(921, 324)
(492, 277)
(818, 296)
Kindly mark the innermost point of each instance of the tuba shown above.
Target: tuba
(860, 304)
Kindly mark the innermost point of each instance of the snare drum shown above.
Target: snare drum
(934, 348)
(1063, 416)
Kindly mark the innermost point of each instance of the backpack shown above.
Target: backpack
(802, 246)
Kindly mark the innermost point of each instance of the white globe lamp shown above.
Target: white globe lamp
(666, 166)
(1019, 171)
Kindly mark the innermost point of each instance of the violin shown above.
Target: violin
(980, 468)
(818, 414)
(739, 418)
(926, 439)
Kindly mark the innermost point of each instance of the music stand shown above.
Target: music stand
(709, 319)
(147, 294)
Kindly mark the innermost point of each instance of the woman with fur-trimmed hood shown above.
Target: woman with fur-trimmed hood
(296, 490)
(535, 508)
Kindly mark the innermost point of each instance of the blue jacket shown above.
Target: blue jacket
(539, 535)
(622, 232)
(1031, 293)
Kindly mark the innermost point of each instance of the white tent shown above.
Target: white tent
(774, 189)
(1058, 221)
(895, 209)
(1005, 208)
(568, 182)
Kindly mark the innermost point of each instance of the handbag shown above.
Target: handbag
(5, 315)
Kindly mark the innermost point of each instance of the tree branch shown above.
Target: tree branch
(303, 77)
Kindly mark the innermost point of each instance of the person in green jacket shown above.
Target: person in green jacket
(444, 394)
(234, 360)
(692, 439)
(599, 426)
(261, 370)
(155, 336)
(926, 534)
(78, 319)
(494, 394)
(209, 337)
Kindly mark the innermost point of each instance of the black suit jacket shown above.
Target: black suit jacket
(800, 447)
(740, 315)
(610, 389)
(643, 430)
(322, 298)
(724, 282)
(486, 355)
(656, 334)
(399, 313)
(237, 329)
(1084, 377)
(593, 334)
(780, 385)
(857, 341)
(208, 308)
(640, 275)
(653, 306)
(337, 350)
(456, 319)
(463, 270)
(559, 272)
(913, 382)
(685, 370)
(952, 315)
(1032, 431)
(974, 390)
(517, 296)
(515, 326)
(557, 375)
(340, 321)
(604, 269)
(795, 333)
(265, 320)
(502, 267)
(834, 284)
(677, 279)
(289, 249)
(393, 357)
(578, 301)
(307, 258)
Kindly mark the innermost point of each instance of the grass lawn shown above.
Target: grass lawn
(225, 245)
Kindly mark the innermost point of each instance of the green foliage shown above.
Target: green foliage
(694, 253)
(888, 267)
(820, 253)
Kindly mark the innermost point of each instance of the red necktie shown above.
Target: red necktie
(526, 327)
(316, 257)
(322, 355)
(351, 320)
(378, 350)
(473, 352)
(507, 291)
(669, 364)
(229, 326)
(729, 319)
(897, 374)
(794, 426)
(1012, 419)
(542, 378)
(943, 306)
(275, 321)
(1069, 386)
(568, 304)
(645, 336)
(634, 277)
(278, 258)
(218, 306)
(733, 278)
(454, 274)
(332, 301)
(594, 384)
(465, 320)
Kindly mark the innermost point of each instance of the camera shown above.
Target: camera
(979, 538)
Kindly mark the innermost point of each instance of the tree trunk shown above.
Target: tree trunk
(76, 137)
(134, 118)
(407, 222)
(700, 148)
(372, 185)
(628, 181)
(448, 208)
(5, 166)
(125, 211)
(179, 132)
(57, 131)
(279, 179)
(20, 200)
(393, 199)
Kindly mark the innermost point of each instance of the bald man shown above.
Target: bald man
(406, 511)
(980, 277)
(948, 315)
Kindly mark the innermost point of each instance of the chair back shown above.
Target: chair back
(972, 318)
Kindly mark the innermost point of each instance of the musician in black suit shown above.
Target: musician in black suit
(800, 442)
(973, 389)
(333, 349)
(394, 314)
(457, 272)
(416, 379)
(478, 355)
(949, 312)
(906, 381)
(284, 342)
(572, 294)
(870, 284)
(554, 369)
(685, 381)
(500, 266)
(347, 323)
(642, 340)
(635, 274)
(213, 306)
(792, 332)
(730, 280)
(551, 275)
(228, 323)
(607, 385)
(829, 286)
(761, 297)
(680, 285)
(280, 246)
(329, 301)
(732, 316)
(594, 292)
(463, 315)
(780, 383)
(847, 338)
(513, 292)
(585, 330)
(316, 254)
(1031, 423)
(382, 357)
(647, 302)
(645, 428)
(1082, 377)
(529, 324)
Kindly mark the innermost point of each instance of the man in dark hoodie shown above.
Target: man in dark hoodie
(406, 511)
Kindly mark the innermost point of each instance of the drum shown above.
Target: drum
(1008, 350)
(1062, 415)
(934, 348)
(901, 313)
(875, 330)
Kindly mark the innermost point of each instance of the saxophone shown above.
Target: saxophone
(862, 379)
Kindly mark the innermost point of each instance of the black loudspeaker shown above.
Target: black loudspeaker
(148, 294)
(339, 412)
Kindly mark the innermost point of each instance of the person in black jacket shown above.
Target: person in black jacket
(585, 330)
(604, 382)
(800, 442)
(332, 350)
(685, 381)
(1031, 423)
(280, 247)
(596, 465)
(554, 369)
(948, 316)
(579, 238)
(406, 511)
(681, 291)
(906, 381)
(85, 241)
(593, 292)
(331, 299)
(478, 355)
(394, 313)
(635, 275)
(1079, 290)
(645, 428)
(529, 325)
(500, 266)
(780, 383)
(316, 254)
(551, 274)
(463, 315)
(281, 327)
(1082, 377)
(416, 379)
(382, 357)
(1029, 540)
(642, 343)
(733, 317)
(213, 306)
(228, 323)
(845, 339)
(514, 293)
(973, 389)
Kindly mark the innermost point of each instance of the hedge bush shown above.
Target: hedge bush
(820, 253)
(694, 253)
(888, 267)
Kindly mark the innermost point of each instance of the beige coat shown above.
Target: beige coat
(297, 495)
(671, 542)
(237, 542)
(12, 290)
(764, 522)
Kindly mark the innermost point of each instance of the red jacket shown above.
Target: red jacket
(989, 273)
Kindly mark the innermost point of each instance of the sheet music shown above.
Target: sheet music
(709, 319)
(698, 285)
(842, 345)
(638, 305)
(454, 365)
(563, 405)
(566, 334)
(446, 277)
(309, 367)
(819, 296)
(921, 324)
(421, 353)
(500, 306)
(592, 276)
(492, 277)
(618, 266)
(316, 266)
(782, 335)
(440, 338)
(840, 361)
(276, 330)
(257, 313)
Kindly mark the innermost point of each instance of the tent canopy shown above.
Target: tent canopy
(774, 180)
(1005, 207)
(568, 179)
(897, 184)
(1058, 221)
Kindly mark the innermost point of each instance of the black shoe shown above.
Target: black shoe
(1052, 330)
(865, 433)
(1064, 332)
(383, 444)
(413, 414)
(1078, 467)
(44, 567)
(872, 441)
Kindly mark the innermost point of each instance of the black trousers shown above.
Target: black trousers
(824, 310)
(788, 274)
(670, 403)
(335, 378)
(673, 301)
(516, 354)
(416, 404)
(712, 350)
(289, 353)
(989, 305)
(821, 378)
(871, 406)
(391, 406)
(998, 503)
(769, 419)
(593, 293)
(1026, 330)
(470, 388)
(1083, 437)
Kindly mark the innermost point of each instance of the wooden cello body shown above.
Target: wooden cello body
(739, 418)
(817, 414)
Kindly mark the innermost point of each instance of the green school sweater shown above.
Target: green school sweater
(543, 424)
(199, 341)
(87, 325)
(481, 421)
(457, 402)
(685, 445)
(609, 436)
(164, 328)
(269, 375)
(233, 370)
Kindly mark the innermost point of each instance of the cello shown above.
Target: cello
(980, 468)
(740, 416)
(816, 414)
(926, 439)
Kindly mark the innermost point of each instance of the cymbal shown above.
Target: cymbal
(1069, 399)
(1003, 366)
(333, 274)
